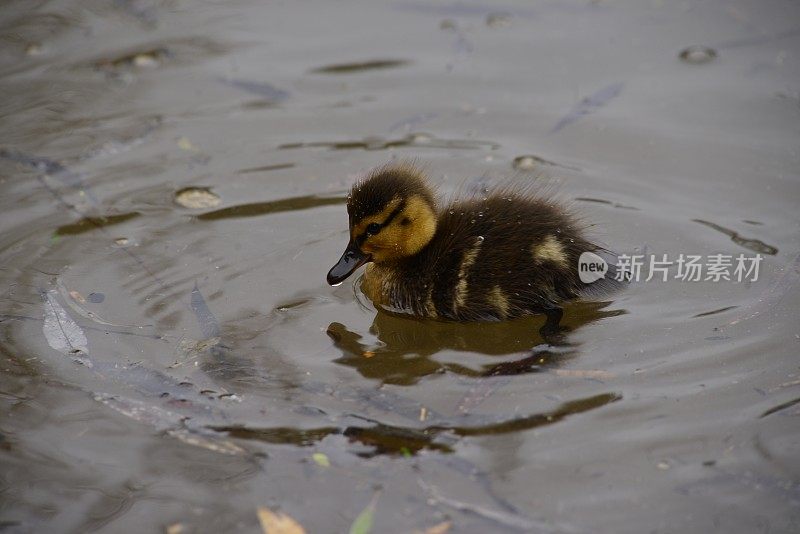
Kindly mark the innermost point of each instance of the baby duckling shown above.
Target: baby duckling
(492, 257)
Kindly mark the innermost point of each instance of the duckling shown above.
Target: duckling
(493, 257)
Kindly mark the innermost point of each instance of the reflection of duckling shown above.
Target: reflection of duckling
(492, 257)
(401, 351)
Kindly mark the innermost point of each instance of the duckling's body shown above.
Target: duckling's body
(496, 256)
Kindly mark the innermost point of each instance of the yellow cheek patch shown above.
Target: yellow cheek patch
(550, 249)
(421, 227)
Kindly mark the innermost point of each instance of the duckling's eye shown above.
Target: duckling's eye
(373, 228)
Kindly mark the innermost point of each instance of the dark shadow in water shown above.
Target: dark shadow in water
(755, 245)
(402, 354)
(87, 224)
(147, 56)
(349, 68)
(397, 440)
(603, 201)
(266, 168)
(275, 206)
(714, 312)
(412, 140)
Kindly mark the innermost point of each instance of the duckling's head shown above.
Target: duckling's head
(392, 216)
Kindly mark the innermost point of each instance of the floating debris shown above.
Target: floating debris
(714, 312)
(88, 224)
(277, 522)
(525, 163)
(441, 528)
(780, 407)
(498, 20)
(697, 55)
(266, 168)
(529, 162)
(61, 331)
(604, 201)
(34, 49)
(349, 68)
(258, 209)
(145, 59)
(95, 298)
(364, 521)
(184, 143)
(196, 198)
(157, 54)
(321, 459)
(411, 140)
(589, 105)
(756, 245)
(121, 241)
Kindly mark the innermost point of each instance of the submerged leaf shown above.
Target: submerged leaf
(61, 332)
(321, 459)
(277, 523)
(363, 523)
(441, 528)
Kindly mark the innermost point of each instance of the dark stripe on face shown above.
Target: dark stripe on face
(395, 212)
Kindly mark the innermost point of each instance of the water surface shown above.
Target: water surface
(184, 364)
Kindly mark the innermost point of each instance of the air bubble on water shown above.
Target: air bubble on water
(697, 55)
(479, 239)
(525, 163)
(420, 138)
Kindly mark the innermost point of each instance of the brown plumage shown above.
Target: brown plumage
(495, 256)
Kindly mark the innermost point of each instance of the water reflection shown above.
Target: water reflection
(402, 353)
(442, 435)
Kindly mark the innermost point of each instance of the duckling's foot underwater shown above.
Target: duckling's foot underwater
(492, 256)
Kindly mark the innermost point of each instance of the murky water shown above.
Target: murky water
(173, 177)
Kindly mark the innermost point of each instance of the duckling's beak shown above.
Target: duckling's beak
(351, 260)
